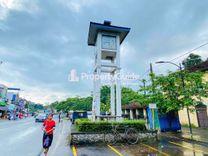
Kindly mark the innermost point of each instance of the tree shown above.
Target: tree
(129, 96)
(169, 93)
(192, 60)
(105, 94)
(85, 103)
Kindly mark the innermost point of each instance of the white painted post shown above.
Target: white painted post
(118, 83)
(94, 99)
(112, 102)
(137, 113)
(98, 66)
(131, 114)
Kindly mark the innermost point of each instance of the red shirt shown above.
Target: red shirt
(49, 125)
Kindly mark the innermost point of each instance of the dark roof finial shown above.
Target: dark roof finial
(106, 22)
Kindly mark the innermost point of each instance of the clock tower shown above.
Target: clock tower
(107, 39)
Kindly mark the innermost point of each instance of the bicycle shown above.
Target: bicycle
(130, 135)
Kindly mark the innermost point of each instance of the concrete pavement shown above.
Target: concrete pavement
(166, 146)
(199, 134)
(24, 138)
(60, 146)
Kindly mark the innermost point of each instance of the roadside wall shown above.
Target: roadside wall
(183, 117)
(183, 113)
(205, 100)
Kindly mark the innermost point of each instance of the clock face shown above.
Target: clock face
(109, 42)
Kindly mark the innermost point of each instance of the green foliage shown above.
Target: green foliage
(85, 103)
(76, 103)
(168, 91)
(34, 107)
(105, 99)
(129, 95)
(192, 60)
(106, 126)
(105, 95)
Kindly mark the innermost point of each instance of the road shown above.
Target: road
(24, 138)
(21, 137)
(165, 147)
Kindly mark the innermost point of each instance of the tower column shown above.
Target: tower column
(112, 102)
(97, 78)
(94, 98)
(107, 40)
(118, 98)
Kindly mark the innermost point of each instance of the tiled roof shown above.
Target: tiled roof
(132, 106)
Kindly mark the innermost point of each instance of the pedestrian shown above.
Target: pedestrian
(48, 128)
(59, 117)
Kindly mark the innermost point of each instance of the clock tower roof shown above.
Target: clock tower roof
(94, 28)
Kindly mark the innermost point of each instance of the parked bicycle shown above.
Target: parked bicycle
(120, 134)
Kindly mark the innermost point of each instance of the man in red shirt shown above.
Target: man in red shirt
(48, 128)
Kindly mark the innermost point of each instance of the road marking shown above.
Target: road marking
(154, 149)
(74, 150)
(196, 150)
(115, 150)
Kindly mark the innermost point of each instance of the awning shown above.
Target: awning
(2, 103)
(3, 108)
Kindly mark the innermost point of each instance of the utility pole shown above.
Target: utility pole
(152, 79)
(187, 108)
(153, 91)
(144, 85)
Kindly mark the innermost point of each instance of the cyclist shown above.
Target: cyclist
(48, 128)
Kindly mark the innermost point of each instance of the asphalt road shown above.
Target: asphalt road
(164, 147)
(21, 137)
(24, 138)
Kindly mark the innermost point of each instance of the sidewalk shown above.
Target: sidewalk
(60, 145)
(199, 134)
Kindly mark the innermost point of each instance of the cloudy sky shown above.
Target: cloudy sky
(42, 40)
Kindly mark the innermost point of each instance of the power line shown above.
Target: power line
(190, 51)
(147, 71)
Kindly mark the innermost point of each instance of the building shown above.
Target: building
(134, 111)
(199, 115)
(3, 100)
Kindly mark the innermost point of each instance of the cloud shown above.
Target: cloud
(41, 41)
(6, 6)
(77, 5)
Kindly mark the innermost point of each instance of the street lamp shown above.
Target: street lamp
(183, 84)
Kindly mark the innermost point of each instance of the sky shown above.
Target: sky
(41, 41)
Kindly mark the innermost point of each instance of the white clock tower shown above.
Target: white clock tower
(107, 39)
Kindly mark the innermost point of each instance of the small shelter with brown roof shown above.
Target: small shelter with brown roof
(134, 110)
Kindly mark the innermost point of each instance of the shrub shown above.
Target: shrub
(106, 126)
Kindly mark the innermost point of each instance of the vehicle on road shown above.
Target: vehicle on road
(40, 118)
(78, 115)
(89, 115)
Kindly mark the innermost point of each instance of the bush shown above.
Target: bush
(106, 126)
